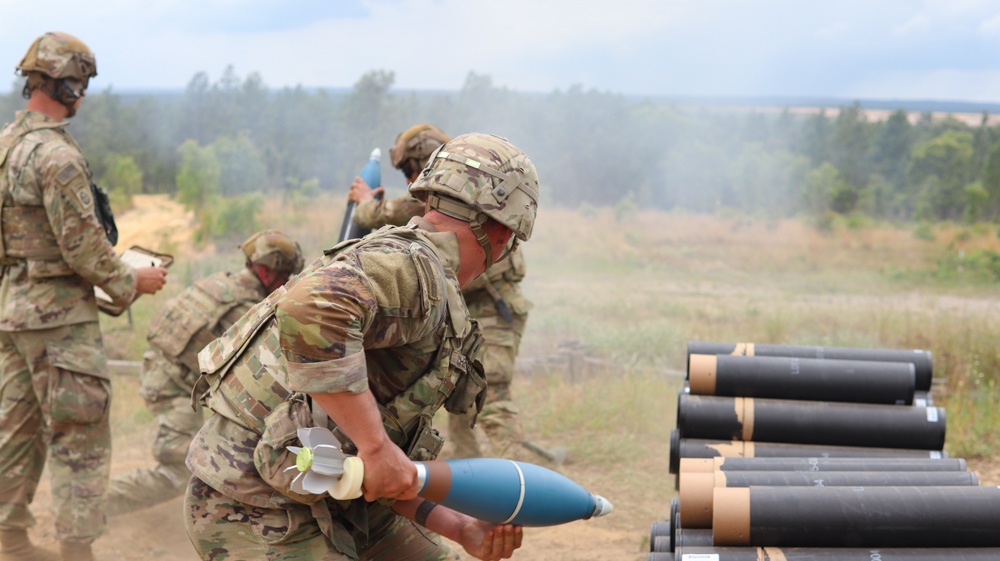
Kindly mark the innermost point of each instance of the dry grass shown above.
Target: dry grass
(635, 290)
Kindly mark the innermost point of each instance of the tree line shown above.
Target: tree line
(221, 146)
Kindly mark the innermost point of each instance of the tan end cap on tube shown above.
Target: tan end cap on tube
(696, 499)
(701, 374)
(697, 465)
(731, 517)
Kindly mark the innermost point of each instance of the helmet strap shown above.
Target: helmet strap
(476, 220)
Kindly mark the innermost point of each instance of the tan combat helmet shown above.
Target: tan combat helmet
(63, 58)
(414, 145)
(475, 176)
(274, 249)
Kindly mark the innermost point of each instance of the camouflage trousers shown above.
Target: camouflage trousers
(167, 388)
(498, 418)
(54, 401)
(224, 529)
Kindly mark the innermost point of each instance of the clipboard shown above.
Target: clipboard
(135, 256)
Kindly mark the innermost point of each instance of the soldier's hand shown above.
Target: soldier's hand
(490, 542)
(361, 192)
(388, 473)
(148, 280)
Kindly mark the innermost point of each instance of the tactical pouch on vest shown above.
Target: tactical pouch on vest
(470, 386)
(426, 444)
(271, 456)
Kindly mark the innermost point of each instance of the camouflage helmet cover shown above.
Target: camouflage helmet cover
(417, 143)
(484, 173)
(59, 55)
(274, 249)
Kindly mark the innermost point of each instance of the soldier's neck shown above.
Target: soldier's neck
(471, 257)
(41, 102)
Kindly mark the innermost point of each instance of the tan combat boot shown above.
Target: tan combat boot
(76, 551)
(15, 546)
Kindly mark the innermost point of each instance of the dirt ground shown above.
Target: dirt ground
(158, 533)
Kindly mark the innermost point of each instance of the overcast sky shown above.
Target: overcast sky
(872, 49)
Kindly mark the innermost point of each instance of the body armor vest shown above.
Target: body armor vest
(189, 321)
(25, 231)
(244, 389)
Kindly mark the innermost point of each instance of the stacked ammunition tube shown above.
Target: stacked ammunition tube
(809, 453)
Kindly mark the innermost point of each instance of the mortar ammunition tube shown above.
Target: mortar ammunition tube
(834, 554)
(857, 517)
(921, 360)
(658, 529)
(855, 381)
(811, 422)
(697, 489)
(662, 544)
(813, 465)
(675, 506)
(692, 537)
(704, 448)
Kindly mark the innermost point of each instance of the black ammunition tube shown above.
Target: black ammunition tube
(857, 517)
(709, 465)
(921, 359)
(811, 422)
(703, 448)
(835, 554)
(855, 381)
(697, 489)
(675, 505)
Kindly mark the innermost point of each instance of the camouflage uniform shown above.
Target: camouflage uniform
(184, 325)
(499, 286)
(503, 281)
(54, 388)
(397, 211)
(181, 328)
(381, 316)
(502, 338)
(384, 314)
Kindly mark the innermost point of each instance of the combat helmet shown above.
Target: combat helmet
(414, 145)
(63, 58)
(274, 249)
(477, 176)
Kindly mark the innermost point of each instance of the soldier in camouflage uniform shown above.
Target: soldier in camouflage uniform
(182, 327)
(370, 341)
(494, 299)
(54, 388)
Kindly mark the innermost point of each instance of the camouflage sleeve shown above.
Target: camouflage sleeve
(321, 322)
(396, 211)
(328, 318)
(69, 205)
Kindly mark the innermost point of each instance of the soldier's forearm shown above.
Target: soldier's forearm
(357, 415)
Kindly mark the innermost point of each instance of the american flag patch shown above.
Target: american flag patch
(67, 173)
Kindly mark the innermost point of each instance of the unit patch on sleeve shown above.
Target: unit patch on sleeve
(71, 179)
